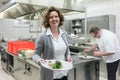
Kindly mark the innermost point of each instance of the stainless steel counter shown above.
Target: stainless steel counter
(85, 69)
(82, 69)
(77, 60)
(19, 68)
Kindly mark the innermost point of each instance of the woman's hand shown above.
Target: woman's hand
(41, 61)
(69, 59)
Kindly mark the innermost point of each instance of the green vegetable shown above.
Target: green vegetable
(22, 52)
(57, 65)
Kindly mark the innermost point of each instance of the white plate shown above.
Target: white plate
(87, 57)
(66, 65)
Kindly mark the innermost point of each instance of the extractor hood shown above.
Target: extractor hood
(17, 8)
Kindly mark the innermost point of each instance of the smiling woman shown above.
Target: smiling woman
(52, 44)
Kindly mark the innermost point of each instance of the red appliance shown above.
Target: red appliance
(15, 46)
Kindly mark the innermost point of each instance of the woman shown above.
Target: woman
(52, 44)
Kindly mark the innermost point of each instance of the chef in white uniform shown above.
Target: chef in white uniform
(108, 48)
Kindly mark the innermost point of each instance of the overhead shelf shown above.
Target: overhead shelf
(18, 8)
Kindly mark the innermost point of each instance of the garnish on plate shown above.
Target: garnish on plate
(56, 65)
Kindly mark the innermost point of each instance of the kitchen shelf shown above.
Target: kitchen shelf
(77, 25)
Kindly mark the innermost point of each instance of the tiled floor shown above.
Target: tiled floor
(5, 76)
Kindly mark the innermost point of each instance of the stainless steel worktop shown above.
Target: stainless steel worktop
(76, 60)
(86, 69)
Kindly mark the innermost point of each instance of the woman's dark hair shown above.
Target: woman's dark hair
(94, 29)
(47, 14)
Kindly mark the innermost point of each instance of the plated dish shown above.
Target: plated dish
(51, 64)
(86, 57)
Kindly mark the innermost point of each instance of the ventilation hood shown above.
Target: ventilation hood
(17, 8)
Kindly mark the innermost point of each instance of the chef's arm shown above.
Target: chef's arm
(101, 53)
(93, 47)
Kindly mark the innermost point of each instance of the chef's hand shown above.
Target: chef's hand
(87, 50)
(97, 53)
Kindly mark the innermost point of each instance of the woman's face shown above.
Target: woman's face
(54, 19)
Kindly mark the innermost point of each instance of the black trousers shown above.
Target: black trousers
(112, 69)
(63, 78)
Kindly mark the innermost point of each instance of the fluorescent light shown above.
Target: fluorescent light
(71, 13)
(14, 6)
